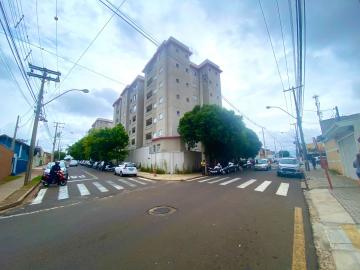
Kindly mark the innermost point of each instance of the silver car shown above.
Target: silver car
(62, 167)
(290, 167)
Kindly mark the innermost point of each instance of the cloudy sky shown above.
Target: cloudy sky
(229, 33)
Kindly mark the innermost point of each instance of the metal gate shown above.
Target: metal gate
(347, 148)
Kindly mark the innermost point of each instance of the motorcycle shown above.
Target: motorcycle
(217, 170)
(60, 179)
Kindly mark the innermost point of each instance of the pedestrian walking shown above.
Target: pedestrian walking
(313, 162)
(356, 165)
(203, 165)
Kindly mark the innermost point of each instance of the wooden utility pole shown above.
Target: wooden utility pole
(44, 77)
(14, 137)
(57, 125)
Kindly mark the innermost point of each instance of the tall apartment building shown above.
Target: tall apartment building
(173, 85)
(102, 123)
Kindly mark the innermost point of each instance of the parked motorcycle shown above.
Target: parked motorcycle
(217, 170)
(60, 179)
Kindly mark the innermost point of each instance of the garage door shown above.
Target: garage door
(347, 148)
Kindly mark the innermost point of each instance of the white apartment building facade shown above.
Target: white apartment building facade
(102, 123)
(173, 85)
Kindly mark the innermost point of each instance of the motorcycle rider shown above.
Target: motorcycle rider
(53, 172)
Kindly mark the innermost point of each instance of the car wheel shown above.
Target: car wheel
(121, 174)
(115, 173)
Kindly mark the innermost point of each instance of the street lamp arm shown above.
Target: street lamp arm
(82, 90)
(269, 107)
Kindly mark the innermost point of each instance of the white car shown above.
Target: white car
(73, 163)
(126, 168)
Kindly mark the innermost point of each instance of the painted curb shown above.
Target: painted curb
(20, 200)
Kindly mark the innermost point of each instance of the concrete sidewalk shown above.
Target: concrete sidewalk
(170, 177)
(9, 188)
(335, 216)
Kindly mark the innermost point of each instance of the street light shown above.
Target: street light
(35, 126)
(276, 107)
(67, 91)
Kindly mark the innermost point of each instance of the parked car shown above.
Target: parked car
(62, 167)
(73, 163)
(126, 168)
(290, 167)
(94, 165)
(262, 165)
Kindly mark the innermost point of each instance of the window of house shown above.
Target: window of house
(134, 118)
(177, 80)
(161, 100)
(149, 108)
(161, 116)
(186, 70)
(187, 84)
(133, 142)
(149, 122)
(177, 65)
(177, 96)
(133, 130)
(149, 94)
(148, 136)
(187, 99)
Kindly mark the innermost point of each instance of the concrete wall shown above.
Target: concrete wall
(5, 161)
(333, 156)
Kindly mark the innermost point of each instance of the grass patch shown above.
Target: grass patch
(34, 181)
(9, 179)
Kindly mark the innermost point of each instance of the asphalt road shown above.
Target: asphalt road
(245, 221)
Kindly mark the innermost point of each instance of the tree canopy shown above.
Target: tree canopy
(284, 153)
(222, 133)
(102, 144)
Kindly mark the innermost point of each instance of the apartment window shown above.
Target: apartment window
(154, 134)
(155, 105)
(161, 84)
(149, 94)
(160, 132)
(161, 100)
(158, 148)
(178, 113)
(177, 80)
(187, 99)
(134, 118)
(149, 108)
(133, 130)
(149, 81)
(177, 65)
(130, 100)
(148, 136)
(133, 142)
(187, 84)
(134, 108)
(210, 94)
(161, 116)
(155, 120)
(177, 96)
(155, 90)
(186, 70)
(134, 97)
(148, 122)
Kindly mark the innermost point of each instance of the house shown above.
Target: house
(341, 136)
(21, 155)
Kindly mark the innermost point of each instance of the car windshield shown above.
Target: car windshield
(50, 164)
(262, 161)
(288, 161)
(130, 165)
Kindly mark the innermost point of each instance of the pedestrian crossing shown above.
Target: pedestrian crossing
(254, 184)
(90, 188)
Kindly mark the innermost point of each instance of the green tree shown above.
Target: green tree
(222, 133)
(284, 153)
(56, 155)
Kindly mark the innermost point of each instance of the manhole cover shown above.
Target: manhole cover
(161, 210)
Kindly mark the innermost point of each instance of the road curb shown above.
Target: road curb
(20, 200)
(178, 180)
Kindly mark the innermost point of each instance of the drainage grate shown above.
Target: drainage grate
(161, 210)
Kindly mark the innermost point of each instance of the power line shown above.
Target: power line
(272, 47)
(38, 30)
(130, 22)
(90, 44)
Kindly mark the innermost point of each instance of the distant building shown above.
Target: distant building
(151, 107)
(102, 123)
(341, 137)
(265, 153)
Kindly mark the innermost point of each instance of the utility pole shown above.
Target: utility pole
(57, 125)
(337, 113)
(44, 77)
(317, 104)
(262, 129)
(14, 137)
(59, 146)
(299, 124)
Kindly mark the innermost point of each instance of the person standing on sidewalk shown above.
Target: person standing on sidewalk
(203, 165)
(356, 165)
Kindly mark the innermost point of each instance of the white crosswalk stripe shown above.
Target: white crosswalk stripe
(127, 183)
(247, 183)
(202, 177)
(218, 180)
(147, 180)
(263, 186)
(83, 190)
(39, 196)
(229, 182)
(73, 176)
(283, 189)
(100, 187)
(208, 179)
(63, 193)
(118, 187)
(137, 181)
